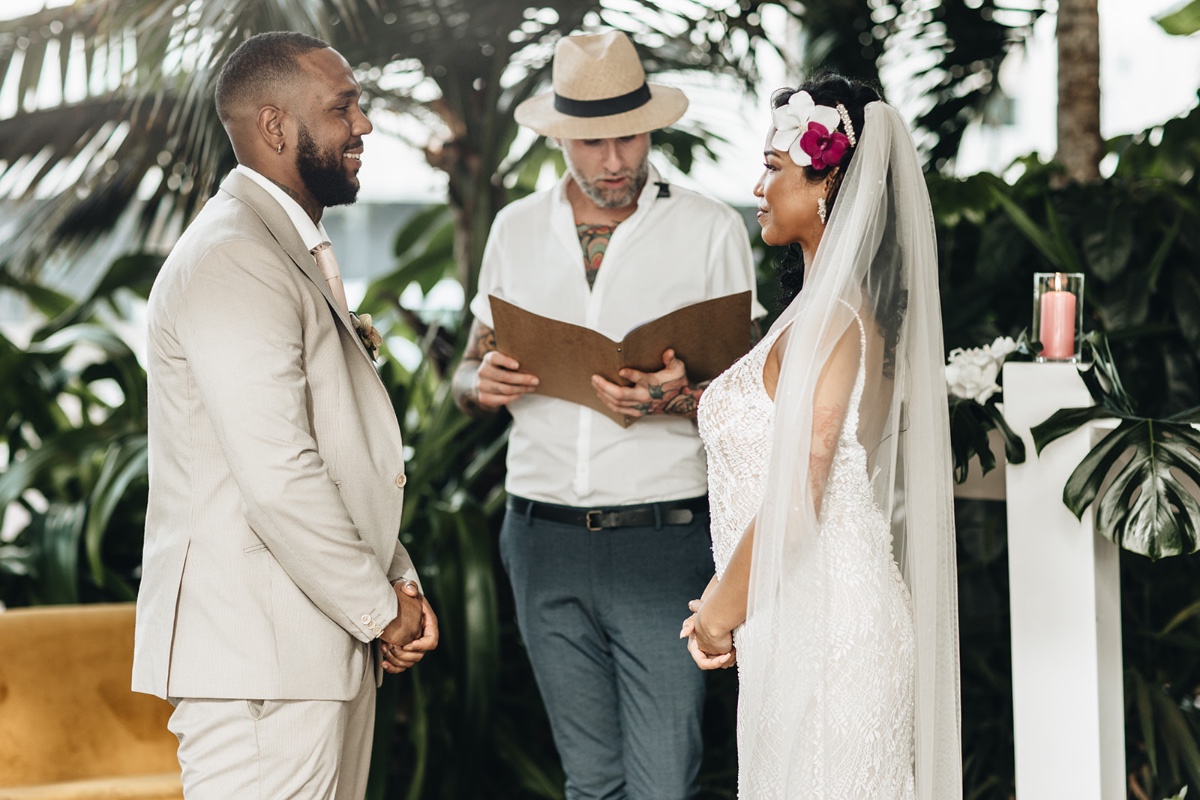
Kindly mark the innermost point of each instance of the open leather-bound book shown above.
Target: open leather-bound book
(707, 336)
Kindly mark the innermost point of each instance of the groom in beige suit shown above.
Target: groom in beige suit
(274, 589)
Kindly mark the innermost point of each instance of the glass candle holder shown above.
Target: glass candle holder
(1058, 314)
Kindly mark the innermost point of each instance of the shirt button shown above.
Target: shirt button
(366, 620)
(401, 479)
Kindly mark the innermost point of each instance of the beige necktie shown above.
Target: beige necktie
(329, 270)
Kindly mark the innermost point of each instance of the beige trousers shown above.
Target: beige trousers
(276, 749)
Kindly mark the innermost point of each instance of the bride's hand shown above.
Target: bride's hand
(712, 641)
(705, 660)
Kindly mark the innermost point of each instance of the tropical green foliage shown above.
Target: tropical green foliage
(970, 423)
(115, 94)
(74, 449)
(457, 68)
(1146, 507)
(1136, 236)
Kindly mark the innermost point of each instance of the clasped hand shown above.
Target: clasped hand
(710, 649)
(413, 633)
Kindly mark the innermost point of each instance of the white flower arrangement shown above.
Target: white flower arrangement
(971, 373)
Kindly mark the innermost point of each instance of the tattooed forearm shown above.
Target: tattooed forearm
(465, 384)
(465, 388)
(826, 428)
(482, 342)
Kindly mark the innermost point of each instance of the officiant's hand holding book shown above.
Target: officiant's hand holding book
(658, 367)
(667, 391)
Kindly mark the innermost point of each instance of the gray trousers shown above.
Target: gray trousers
(600, 614)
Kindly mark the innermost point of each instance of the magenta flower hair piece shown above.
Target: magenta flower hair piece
(808, 132)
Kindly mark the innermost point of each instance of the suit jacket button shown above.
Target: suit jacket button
(366, 620)
(401, 479)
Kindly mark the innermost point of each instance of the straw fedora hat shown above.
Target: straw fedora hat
(600, 92)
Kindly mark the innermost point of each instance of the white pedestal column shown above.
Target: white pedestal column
(1065, 596)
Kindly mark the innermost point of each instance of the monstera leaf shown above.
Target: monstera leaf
(1152, 467)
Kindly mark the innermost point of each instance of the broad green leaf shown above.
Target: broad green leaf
(1145, 715)
(1165, 246)
(1000, 248)
(1043, 241)
(16, 560)
(1178, 738)
(125, 463)
(1084, 483)
(969, 437)
(1183, 616)
(1062, 422)
(1185, 297)
(63, 449)
(419, 226)
(1183, 21)
(1145, 509)
(58, 534)
(1067, 255)
(426, 268)
(1099, 374)
(1108, 240)
(480, 613)
(1014, 446)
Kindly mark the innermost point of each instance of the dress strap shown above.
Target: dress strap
(851, 423)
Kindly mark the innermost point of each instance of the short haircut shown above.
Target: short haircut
(259, 66)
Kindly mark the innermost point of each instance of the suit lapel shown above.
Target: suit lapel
(285, 233)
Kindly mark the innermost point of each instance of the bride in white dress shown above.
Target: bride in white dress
(829, 477)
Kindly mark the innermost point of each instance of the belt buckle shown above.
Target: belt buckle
(594, 514)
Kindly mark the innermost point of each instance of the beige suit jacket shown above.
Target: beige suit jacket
(276, 471)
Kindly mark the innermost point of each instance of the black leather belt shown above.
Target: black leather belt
(670, 512)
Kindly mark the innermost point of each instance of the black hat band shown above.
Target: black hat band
(604, 107)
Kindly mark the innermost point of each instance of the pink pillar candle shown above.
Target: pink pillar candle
(1057, 330)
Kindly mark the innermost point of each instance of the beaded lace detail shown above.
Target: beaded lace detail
(855, 740)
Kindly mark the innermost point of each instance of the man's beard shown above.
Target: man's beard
(614, 198)
(323, 173)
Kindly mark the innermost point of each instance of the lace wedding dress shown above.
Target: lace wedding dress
(853, 737)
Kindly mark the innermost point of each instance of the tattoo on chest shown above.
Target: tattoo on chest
(594, 240)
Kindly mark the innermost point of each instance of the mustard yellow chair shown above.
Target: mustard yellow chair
(70, 728)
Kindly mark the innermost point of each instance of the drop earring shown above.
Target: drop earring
(279, 149)
(821, 209)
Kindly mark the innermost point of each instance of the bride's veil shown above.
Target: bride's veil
(878, 256)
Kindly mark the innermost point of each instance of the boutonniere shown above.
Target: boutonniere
(368, 333)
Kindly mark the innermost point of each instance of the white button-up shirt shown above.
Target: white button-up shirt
(312, 233)
(671, 252)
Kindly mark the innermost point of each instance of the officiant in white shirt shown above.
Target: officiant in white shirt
(606, 535)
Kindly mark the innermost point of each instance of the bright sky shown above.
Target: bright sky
(1147, 77)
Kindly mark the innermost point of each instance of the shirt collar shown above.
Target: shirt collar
(312, 234)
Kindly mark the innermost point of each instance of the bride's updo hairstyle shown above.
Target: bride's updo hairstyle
(826, 89)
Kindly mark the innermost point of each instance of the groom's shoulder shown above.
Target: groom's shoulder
(225, 236)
